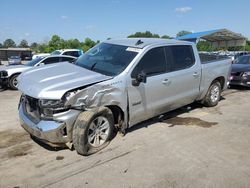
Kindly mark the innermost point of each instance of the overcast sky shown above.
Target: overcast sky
(37, 21)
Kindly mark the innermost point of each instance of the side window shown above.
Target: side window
(72, 53)
(67, 53)
(182, 57)
(153, 62)
(66, 59)
(76, 54)
(51, 60)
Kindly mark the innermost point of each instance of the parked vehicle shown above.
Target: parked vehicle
(9, 74)
(42, 55)
(14, 60)
(71, 52)
(240, 74)
(26, 57)
(116, 84)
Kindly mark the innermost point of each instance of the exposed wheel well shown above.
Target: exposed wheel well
(118, 114)
(221, 80)
(14, 75)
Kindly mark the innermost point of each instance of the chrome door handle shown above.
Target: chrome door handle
(166, 82)
(196, 74)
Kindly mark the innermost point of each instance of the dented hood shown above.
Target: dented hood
(53, 81)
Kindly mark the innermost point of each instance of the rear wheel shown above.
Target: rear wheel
(93, 131)
(213, 95)
(13, 83)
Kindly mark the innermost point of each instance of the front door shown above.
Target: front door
(147, 97)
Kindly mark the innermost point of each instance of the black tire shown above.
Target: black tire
(82, 130)
(211, 99)
(12, 82)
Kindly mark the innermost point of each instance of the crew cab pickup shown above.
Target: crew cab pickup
(115, 85)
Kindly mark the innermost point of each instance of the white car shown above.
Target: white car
(40, 55)
(9, 74)
(70, 52)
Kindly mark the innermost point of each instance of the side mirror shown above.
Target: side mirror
(141, 77)
(41, 64)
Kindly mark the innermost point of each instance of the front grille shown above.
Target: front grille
(3, 74)
(32, 108)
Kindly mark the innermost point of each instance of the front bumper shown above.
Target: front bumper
(3, 81)
(57, 131)
(240, 81)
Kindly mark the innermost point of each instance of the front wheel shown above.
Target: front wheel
(13, 83)
(93, 131)
(213, 95)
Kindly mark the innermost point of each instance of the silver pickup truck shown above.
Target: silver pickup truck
(115, 85)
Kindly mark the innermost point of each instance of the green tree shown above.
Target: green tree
(204, 46)
(73, 43)
(146, 34)
(247, 48)
(43, 48)
(8, 43)
(182, 33)
(55, 43)
(166, 37)
(34, 45)
(87, 44)
(23, 44)
(1, 45)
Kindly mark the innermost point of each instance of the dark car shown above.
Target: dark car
(240, 74)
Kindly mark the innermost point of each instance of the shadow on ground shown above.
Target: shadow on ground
(240, 88)
(172, 118)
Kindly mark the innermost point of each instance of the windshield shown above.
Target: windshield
(107, 59)
(34, 61)
(14, 57)
(56, 52)
(243, 60)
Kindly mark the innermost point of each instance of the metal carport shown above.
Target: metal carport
(219, 38)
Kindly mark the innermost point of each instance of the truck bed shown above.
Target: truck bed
(208, 58)
(211, 70)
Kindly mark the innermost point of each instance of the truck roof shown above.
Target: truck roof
(143, 42)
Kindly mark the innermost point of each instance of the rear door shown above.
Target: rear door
(184, 76)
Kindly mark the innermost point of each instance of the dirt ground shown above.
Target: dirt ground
(190, 147)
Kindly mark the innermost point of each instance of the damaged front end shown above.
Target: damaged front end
(111, 94)
(53, 120)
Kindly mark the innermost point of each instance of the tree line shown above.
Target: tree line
(56, 42)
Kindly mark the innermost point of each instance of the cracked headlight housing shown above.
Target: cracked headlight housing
(48, 103)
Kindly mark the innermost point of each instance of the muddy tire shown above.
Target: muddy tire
(213, 95)
(93, 131)
(13, 82)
